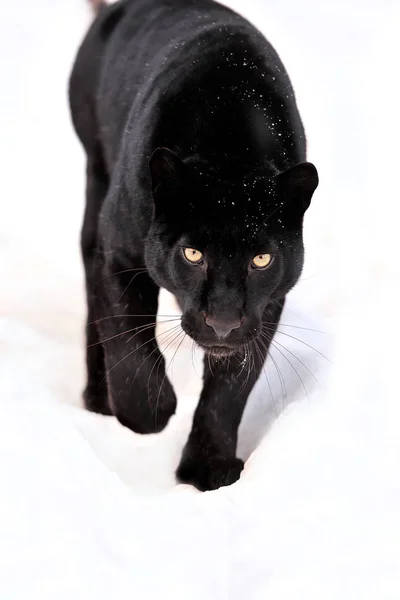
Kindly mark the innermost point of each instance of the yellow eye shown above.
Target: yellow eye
(262, 260)
(192, 255)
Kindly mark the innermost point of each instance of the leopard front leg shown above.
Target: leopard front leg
(139, 392)
(209, 458)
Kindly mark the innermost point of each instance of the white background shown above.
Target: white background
(89, 509)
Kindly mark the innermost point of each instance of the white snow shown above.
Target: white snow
(89, 509)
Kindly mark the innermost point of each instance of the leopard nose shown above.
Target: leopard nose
(223, 327)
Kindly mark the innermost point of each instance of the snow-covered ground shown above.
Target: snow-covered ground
(89, 509)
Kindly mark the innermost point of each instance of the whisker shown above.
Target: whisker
(298, 327)
(127, 287)
(192, 355)
(296, 314)
(140, 327)
(166, 348)
(209, 364)
(166, 370)
(159, 359)
(112, 337)
(281, 379)
(278, 371)
(176, 352)
(295, 370)
(291, 364)
(155, 324)
(129, 315)
(244, 360)
(120, 273)
(302, 342)
(250, 362)
(306, 278)
(245, 363)
(169, 332)
(298, 359)
(266, 376)
(252, 365)
(130, 354)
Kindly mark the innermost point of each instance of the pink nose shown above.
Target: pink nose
(223, 327)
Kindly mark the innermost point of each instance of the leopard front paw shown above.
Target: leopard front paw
(209, 473)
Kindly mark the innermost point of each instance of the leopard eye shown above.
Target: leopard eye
(193, 256)
(261, 261)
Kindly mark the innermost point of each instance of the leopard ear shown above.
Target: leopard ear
(167, 170)
(296, 186)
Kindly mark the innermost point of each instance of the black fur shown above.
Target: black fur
(193, 139)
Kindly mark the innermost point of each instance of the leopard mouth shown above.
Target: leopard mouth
(221, 351)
